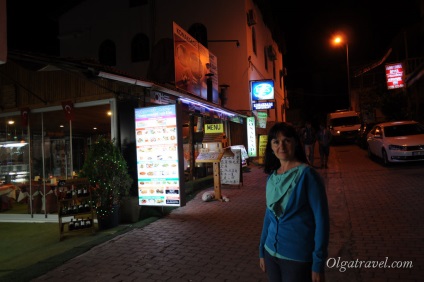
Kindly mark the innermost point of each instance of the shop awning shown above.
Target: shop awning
(185, 98)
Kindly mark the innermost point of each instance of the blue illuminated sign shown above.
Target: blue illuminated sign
(262, 90)
(263, 106)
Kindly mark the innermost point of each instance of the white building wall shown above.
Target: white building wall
(85, 27)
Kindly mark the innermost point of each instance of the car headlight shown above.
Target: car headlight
(397, 148)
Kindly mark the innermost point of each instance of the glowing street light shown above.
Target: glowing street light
(340, 40)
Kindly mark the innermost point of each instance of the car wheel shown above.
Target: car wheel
(385, 159)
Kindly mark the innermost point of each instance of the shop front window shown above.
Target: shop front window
(34, 157)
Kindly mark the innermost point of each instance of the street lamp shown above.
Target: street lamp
(339, 40)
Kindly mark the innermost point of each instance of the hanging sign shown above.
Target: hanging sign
(263, 106)
(262, 89)
(251, 137)
(214, 128)
(394, 76)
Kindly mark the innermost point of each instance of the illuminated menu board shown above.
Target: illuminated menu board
(394, 76)
(158, 154)
(251, 136)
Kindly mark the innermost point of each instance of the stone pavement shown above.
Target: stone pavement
(385, 226)
(218, 241)
(202, 241)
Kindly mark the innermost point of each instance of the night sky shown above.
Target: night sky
(312, 64)
(319, 68)
(32, 25)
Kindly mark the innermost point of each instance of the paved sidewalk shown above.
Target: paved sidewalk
(202, 241)
(218, 241)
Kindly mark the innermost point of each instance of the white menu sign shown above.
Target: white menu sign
(159, 182)
(231, 168)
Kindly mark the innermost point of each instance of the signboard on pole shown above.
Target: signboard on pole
(231, 168)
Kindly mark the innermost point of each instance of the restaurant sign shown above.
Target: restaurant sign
(214, 128)
(394, 76)
(263, 106)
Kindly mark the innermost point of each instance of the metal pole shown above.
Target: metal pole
(70, 152)
(43, 162)
(348, 76)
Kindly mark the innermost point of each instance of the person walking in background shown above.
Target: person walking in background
(324, 139)
(308, 135)
(294, 240)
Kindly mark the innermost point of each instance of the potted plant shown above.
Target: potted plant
(107, 171)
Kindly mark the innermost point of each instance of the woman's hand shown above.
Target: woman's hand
(262, 264)
(318, 277)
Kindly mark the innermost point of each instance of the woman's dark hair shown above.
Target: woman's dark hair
(271, 161)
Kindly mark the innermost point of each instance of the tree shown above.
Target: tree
(107, 172)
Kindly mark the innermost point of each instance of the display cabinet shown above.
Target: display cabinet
(76, 210)
(14, 162)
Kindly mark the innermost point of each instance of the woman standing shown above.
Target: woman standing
(295, 234)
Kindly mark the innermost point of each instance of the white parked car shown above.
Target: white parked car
(399, 141)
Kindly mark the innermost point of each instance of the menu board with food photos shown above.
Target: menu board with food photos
(159, 173)
(231, 168)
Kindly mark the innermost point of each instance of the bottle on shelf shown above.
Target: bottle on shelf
(81, 207)
(71, 225)
(88, 222)
(87, 206)
(68, 194)
(77, 224)
(64, 210)
(79, 192)
(82, 223)
(75, 209)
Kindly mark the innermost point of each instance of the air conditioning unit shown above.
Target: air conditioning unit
(271, 53)
(251, 17)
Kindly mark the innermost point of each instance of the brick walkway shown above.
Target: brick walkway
(218, 241)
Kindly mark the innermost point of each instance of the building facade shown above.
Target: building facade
(116, 56)
(236, 32)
